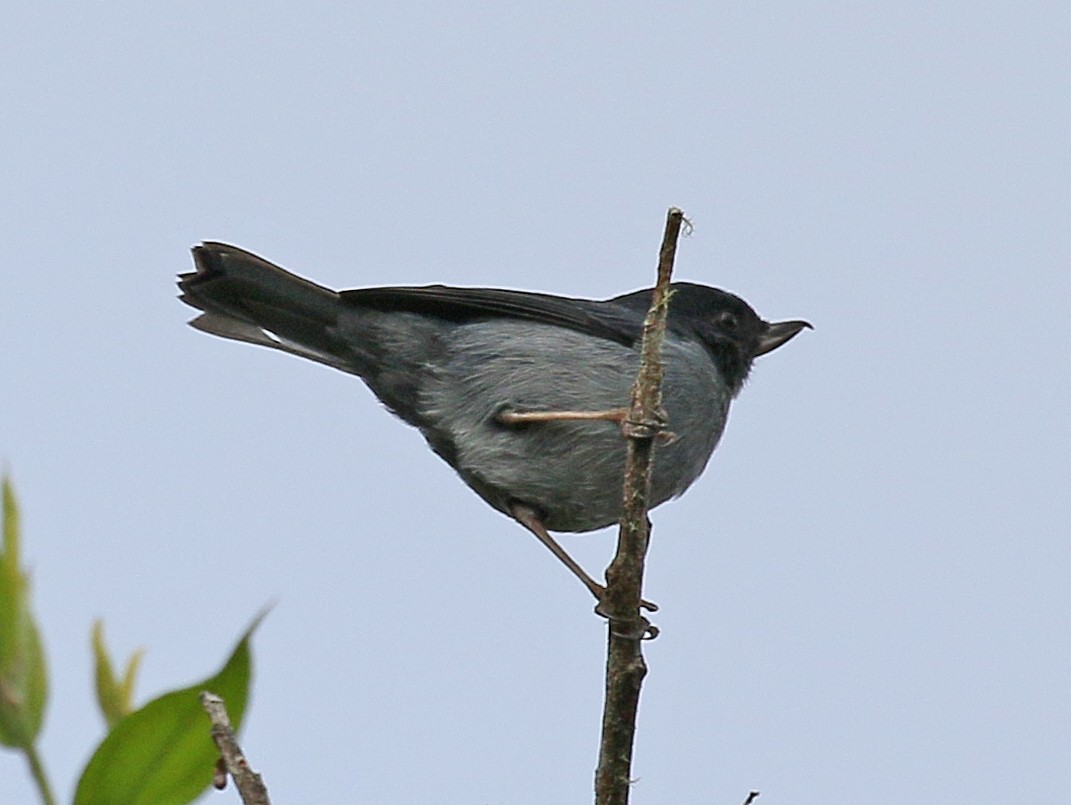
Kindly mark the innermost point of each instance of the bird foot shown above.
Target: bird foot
(632, 626)
(653, 427)
(637, 627)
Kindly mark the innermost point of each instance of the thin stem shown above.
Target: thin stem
(37, 771)
(625, 666)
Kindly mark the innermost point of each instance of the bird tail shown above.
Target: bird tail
(245, 298)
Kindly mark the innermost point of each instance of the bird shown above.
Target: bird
(523, 394)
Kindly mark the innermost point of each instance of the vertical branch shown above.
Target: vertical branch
(232, 761)
(625, 668)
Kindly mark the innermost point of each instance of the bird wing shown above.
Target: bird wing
(599, 319)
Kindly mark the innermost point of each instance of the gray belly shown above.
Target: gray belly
(571, 472)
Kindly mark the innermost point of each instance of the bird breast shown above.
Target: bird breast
(571, 472)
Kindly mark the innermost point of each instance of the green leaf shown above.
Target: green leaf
(115, 697)
(126, 688)
(23, 670)
(163, 754)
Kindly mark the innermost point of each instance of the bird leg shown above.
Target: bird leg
(527, 517)
(618, 415)
(521, 418)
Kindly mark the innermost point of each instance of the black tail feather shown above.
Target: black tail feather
(246, 298)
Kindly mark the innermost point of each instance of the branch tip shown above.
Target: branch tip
(232, 761)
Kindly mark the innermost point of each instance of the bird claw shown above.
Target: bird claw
(666, 438)
(632, 627)
(635, 628)
(653, 427)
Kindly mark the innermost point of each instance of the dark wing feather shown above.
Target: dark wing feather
(600, 319)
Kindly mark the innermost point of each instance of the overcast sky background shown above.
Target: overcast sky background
(865, 599)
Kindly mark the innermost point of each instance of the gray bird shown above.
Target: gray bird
(521, 393)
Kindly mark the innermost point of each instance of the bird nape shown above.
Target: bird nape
(523, 394)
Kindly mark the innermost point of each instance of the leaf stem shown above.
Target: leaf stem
(37, 771)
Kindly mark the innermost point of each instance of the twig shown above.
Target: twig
(249, 784)
(625, 668)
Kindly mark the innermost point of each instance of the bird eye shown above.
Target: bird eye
(727, 320)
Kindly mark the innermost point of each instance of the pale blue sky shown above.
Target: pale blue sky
(865, 598)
